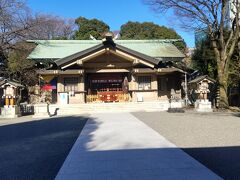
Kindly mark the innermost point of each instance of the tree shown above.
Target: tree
(18, 24)
(14, 18)
(212, 15)
(90, 27)
(19, 67)
(15, 22)
(52, 27)
(234, 69)
(149, 30)
(203, 59)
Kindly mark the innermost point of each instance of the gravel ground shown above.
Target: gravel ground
(211, 138)
(8, 121)
(36, 149)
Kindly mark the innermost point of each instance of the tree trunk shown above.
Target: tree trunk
(223, 86)
(222, 69)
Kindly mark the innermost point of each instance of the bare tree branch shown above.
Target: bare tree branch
(213, 16)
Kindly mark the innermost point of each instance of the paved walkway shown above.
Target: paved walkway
(118, 146)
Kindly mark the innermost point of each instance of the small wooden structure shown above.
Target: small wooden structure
(201, 87)
(10, 93)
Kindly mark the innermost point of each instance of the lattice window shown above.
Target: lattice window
(144, 82)
(70, 84)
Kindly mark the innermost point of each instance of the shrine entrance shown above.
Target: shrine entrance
(107, 87)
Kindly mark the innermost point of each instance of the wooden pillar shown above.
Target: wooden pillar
(133, 83)
(154, 83)
(6, 101)
(81, 83)
(82, 88)
(12, 101)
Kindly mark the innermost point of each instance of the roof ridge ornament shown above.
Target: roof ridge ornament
(92, 37)
(108, 40)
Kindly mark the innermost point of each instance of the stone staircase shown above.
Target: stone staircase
(74, 109)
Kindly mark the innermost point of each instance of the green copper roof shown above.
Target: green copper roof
(56, 49)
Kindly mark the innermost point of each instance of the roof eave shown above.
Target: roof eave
(138, 54)
(73, 57)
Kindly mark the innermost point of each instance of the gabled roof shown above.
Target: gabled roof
(107, 44)
(74, 56)
(10, 82)
(200, 78)
(57, 49)
(138, 54)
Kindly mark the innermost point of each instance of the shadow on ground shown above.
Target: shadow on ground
(236, 114)
(137, 164)
(37, 149)
(224, 161)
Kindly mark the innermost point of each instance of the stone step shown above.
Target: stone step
(73, 109)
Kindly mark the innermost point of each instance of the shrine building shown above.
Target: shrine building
(108, 70)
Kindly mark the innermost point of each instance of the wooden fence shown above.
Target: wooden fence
(96, 98)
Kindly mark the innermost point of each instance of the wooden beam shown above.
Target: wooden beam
(64, 67)
(46, 72)
(169, 70)
(144, 70)
(93, 55)
(131, 58)
(72, 71)
(57, 72)
(123, 55)
(86, 58)
(106, 70)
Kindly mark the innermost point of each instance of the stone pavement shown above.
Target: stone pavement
(118, 146)
(36, 149)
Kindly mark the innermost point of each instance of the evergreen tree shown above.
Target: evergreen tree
(149, 30)
(203, 59)
(90, 27)
(19, 67)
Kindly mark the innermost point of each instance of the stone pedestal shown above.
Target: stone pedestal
(41, 111)
(176, 104)
(10, 112)
(203, 106)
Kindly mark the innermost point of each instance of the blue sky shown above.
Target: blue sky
(114, 13)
